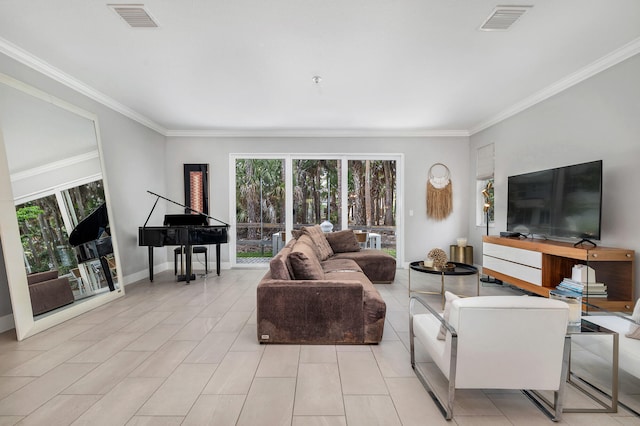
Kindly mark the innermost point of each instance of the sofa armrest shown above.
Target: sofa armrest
(49, 295)
(310, 311)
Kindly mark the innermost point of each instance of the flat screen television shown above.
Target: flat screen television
(565, 202)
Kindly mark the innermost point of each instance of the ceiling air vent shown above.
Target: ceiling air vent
(503, 17)
(135, 15)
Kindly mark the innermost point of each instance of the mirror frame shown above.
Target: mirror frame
(25, 324)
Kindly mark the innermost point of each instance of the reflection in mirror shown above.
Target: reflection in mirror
(60, 205)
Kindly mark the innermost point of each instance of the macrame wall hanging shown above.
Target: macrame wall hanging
(439, 192)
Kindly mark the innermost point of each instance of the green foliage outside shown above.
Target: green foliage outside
(42, 231)
(260, 198)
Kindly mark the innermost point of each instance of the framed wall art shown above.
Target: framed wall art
(196, 188)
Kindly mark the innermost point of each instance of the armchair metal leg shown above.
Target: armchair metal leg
(446, 408)
(558, 396)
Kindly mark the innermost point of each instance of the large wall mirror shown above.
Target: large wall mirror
(56, 239)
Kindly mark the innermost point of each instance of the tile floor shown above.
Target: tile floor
(171, 354)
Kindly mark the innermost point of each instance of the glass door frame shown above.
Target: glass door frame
(344, 214)
(69, 222)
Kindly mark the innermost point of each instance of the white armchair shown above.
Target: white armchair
(494, 342)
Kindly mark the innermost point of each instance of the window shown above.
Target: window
(485, 207)
(484, 185)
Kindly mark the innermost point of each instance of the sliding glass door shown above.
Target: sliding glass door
(316, 193)
(372, 202)
(277, 195)
(260, 209)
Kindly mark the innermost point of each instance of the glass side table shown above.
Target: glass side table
(608, 403)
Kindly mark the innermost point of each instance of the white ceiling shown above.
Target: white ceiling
(413, 66)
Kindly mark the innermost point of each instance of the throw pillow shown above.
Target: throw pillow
(280, 265)
(343, 241)
(318, 238)
(305, 239)
(448, 297)
(305, 263)
(634, 329)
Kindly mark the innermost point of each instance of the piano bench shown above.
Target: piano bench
(195, 249)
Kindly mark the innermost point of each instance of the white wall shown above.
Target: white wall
(419, 154)
(596, 119)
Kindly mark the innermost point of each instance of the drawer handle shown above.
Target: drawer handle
(595, 254)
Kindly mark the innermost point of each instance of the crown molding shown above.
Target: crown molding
(30, 60)
(26, 58)
(316, 133)
(625, 52)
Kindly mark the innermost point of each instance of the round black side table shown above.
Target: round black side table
(457, 270)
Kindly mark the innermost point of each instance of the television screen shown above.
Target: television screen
(562, 202)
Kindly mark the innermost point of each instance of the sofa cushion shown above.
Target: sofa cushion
(343, 241)
(340, 265)
(377, 265)
(39, 277)
(304, 261)
(320, 241)
(305, 239)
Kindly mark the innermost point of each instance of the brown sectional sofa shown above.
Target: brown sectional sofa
(48, 292)
(315, 295)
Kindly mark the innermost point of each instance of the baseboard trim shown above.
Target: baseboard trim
(7, 323)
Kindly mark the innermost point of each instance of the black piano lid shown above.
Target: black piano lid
(181, 216)
(185, 219)
(91, 227)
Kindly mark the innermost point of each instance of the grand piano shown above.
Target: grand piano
(185, 230)
(92, 241)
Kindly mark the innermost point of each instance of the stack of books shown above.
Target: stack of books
(586, 289)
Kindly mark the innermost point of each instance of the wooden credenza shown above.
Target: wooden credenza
(538, 266)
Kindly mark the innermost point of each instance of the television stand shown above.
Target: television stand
(538, 266)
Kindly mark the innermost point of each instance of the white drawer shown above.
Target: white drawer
(512, 254)
(516, 270)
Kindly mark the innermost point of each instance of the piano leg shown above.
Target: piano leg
(187, 255)
(151, 263)
(218, 259)
(107, 273)
(188, 276)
